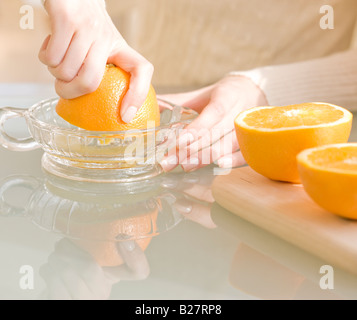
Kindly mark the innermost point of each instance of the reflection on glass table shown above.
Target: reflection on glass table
(104, 228)
(194, 248)
(267, 267)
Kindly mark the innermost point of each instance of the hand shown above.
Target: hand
(195, 198)
(72, 274)
(83, 40)
(211, 137)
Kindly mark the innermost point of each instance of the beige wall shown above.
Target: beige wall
(192, 42)
(196, 42)
(19, 48)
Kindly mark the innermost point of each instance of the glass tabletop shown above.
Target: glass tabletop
(162, 238)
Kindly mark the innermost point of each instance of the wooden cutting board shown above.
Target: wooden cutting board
(287, 211)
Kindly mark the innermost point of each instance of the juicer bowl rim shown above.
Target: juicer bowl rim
(29, 114)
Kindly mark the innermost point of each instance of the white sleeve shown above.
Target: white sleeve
(331, 79)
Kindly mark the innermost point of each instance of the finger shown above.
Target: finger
(169, 160)
(190, 185)
(177, 151)
(93, 281)
(76, 54)
(56, 289)
(90, 75)
(215, 121)
(179, 155)
(169, 163)
(196, 212)
(226, 145)
(141, 72)
(231, 161)
(179, 181)
(76, 285)
(42, 52)
(220, 103)
(164, 104)
(196, 100)
(136, 265)
(57, 45)
(200, 192)
(183, 181)
(206, 137)
(70, 277)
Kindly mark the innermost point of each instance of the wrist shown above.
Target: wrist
(256, 96)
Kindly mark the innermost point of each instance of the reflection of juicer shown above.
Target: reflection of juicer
(83, 155)
(94, 216)
(140, 227)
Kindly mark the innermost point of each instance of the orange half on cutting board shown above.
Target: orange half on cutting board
(270, 138)
(329, 176)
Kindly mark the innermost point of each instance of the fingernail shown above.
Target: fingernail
(186, 139)
(129, 114)
(183, 206)
(169, 163)
(128, 245)
(169, 183)
(225, 163)
(192, 163)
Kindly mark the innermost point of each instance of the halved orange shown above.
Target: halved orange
(329, 176)
(270, 138)
(100, 110)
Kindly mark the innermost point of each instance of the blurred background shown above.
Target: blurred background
(190, 42)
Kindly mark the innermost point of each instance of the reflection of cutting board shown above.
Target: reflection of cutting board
(287, 211)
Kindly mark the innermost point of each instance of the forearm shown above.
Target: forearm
(331, 79)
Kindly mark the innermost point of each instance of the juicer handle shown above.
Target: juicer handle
(8, 209)
(12, 143)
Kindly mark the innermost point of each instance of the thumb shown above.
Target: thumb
(140, 71)
(196, 100)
